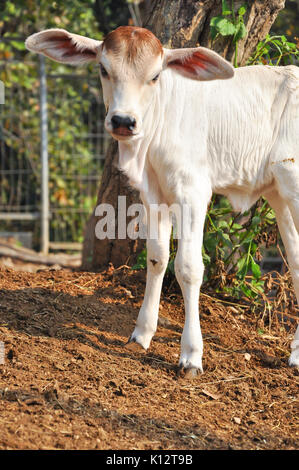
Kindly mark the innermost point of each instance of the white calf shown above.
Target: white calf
(184, 133)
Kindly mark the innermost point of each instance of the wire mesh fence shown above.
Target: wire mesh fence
(76, 148)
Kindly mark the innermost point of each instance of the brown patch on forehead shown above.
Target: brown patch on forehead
(133, 43)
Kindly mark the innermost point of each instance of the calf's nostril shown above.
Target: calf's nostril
(132, 124)
(116, 121)
(123, 121)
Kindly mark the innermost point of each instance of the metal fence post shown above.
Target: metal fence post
(44, 158)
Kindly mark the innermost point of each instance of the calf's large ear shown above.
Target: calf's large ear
(62, 46)
(198, 63)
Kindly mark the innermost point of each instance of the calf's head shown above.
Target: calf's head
(131, 61)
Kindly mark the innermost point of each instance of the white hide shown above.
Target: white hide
(238, 137)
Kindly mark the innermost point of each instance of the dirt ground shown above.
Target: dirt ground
(67, 382)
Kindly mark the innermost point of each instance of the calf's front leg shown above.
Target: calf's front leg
(157, 260)
(189, 270)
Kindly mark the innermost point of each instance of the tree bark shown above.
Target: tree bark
(97, 253)
(177, 23)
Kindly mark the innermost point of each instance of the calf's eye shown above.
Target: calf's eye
(156, 77)
(103, 71)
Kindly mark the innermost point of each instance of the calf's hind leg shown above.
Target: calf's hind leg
(290, 238)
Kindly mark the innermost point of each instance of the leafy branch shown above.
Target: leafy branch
(229, 24)
(273, 50)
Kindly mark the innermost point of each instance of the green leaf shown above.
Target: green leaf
(256, 220)
(206, 259)
(242, 267)
(11, 9)
(213, 25)
(256, 270)
(253, 248)
(225, 27)
(242, 10)
(225, 238)
(20, 46)
(221, 25)
(210, 242)
(237, 226)
(241, 32)
(247, 291)
(258, 285)
(223, 224)
(141, 261)
(225, 8)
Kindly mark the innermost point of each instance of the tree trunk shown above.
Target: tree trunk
(99, 253)
(177, 23)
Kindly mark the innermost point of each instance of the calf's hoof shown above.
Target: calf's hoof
(294, 363)
(189, 373)
(133, 346)
(294, 357)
